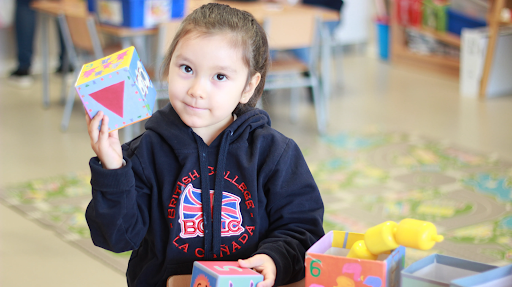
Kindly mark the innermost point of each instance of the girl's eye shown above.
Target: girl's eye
(220, 77)
(186, 69)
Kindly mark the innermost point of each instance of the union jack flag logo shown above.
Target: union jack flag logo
(191, 213)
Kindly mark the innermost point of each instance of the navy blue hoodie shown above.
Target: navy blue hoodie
(162, 206)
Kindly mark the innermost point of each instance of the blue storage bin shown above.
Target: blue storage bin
(91, 6)
(383, 40)
(178, 9)
(139, 13)
(457, 21)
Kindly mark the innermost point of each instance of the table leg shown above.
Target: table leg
(44, 18)
(128, 130)
(140, 45)
(326, 61)
(65, 70)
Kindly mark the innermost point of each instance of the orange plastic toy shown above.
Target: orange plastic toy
(389, 235)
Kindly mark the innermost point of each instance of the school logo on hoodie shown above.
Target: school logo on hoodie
(191, 213)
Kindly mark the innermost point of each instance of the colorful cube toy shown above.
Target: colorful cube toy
(223, 274)
(119, 86)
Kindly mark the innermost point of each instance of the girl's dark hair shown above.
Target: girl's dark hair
(214, 18)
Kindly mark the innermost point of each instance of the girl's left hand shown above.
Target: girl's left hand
(263, 264)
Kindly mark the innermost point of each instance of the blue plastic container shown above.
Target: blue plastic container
(91, 6)
(178, 9)
(457, 21)
(137, 13)
(383, 40)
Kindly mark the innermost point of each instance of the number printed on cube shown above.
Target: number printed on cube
(223, 274)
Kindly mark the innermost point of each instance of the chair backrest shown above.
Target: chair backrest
(290, 31)
(166, 32)
(83, 34)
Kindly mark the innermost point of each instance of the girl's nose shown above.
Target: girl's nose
(197, 89)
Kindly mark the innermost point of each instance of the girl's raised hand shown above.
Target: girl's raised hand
(106, 145)
(263, 264)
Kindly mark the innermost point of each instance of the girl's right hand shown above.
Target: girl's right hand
(106, 145)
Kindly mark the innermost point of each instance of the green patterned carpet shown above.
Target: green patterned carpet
(365, 179)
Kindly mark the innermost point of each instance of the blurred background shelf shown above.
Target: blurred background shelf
(402, 53)
(446, 37)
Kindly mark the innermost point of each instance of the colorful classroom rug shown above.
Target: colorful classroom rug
(365, 179)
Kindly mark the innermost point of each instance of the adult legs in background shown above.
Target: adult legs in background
(62, 53)
(25, 26)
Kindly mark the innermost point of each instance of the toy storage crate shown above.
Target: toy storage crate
(457, 21)
(139, 13)
(473, 8)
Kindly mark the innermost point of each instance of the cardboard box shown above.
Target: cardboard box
(439, 270)
(223, 274)
(499, 277)
(327, 264)
(119, 86)
(472, 58)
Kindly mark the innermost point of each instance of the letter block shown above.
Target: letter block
(223, 274)
(119, 86)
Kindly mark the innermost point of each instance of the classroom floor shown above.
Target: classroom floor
(371, 95)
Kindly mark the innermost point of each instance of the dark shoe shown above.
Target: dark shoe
(21, 78)
(309, 90)
(61, 68)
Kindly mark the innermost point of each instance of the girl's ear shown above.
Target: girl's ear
(249, 89)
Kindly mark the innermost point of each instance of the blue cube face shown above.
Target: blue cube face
(119, 86)
(117, 95)
(142, 81)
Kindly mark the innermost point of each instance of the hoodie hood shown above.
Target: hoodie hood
(182, 137)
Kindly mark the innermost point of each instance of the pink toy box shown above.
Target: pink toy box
(327, 264)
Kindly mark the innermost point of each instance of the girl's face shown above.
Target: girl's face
(207, 80)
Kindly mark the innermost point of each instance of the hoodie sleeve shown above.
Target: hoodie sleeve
(295, 211)
(117, 215)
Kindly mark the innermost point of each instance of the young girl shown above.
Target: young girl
(209, 179)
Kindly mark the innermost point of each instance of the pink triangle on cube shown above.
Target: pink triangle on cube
(111, 97)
